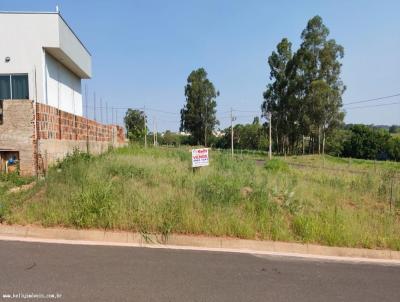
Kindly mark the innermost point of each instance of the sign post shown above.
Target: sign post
(200, 158)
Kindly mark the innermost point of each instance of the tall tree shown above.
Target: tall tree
(317, 64)
(198, 116)
(276, 96)
(135, 123)
(305, 96)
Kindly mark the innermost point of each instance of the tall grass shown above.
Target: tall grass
(155, 190)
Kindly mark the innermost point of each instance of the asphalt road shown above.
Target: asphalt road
(105, 273)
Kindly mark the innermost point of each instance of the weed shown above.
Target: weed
(276, 165)
(154, 190)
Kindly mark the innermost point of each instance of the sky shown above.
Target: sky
(143, 51)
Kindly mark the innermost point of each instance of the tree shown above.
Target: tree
(170, 138)
(277, 96)
(198, 116)
(317, 63)
(249, 136)
(393, 148)
(367, 143)
(305, 96)
(135, 123)
(394, 129)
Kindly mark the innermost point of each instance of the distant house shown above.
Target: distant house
(42, 59)
(218, 133)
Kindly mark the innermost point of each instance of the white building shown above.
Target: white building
(42, 59)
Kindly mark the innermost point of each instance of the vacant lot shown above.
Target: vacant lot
(307, 199)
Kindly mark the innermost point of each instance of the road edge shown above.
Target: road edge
(192, 242)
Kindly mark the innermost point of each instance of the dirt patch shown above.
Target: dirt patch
(22, 188)
(246, 192)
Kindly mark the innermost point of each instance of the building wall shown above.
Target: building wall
(29, 39)
(63, 88)
(22, 39)
(72, 47)
(17, 132)
(58, 133)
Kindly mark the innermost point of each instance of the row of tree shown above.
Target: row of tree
(305, 95)
(356, 141)
(367, 142)
(303, 99)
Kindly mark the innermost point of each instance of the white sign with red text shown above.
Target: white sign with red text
(200, 157)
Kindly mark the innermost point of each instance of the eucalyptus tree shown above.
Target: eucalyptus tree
(276, 97)
(317, 64)
(198, 116)
(305, 93)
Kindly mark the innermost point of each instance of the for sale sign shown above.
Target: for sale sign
(199, 157)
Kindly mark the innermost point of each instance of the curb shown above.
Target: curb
(35, 233)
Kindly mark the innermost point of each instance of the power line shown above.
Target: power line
(162, 111)
(370, 106)
(374, 99)
(250, 111)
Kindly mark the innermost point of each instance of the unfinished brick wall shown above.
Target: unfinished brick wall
(56, 124)
(58, 133)
(61, 133)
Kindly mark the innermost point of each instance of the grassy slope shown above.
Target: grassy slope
(155, 190)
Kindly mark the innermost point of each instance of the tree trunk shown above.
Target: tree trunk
(319, 139)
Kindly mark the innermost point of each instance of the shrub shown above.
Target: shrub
(15, 179)
(94, 207)
(74, 158)
(3, 211)
(276, 165)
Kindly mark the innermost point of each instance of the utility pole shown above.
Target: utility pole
(94, 106)
(101, 110)
(205, 128)
(87, 119)
(106, 113)
(154, 132)
(270, 135)
(86, 101)
(155, 121)
(145, 127)
(108, 129)
(232, 132)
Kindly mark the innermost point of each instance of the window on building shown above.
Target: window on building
(1, 112)
(19, 84)
(14, 87)
(5, 91)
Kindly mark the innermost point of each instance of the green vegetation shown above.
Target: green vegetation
(327, 201)
(249, 136)
(277, 165)
(135, 121)
(305, 93)
(198, 116)
(371, 143)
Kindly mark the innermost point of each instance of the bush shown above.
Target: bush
(94, 207)
(77, 156)
(276, 165)
(394, 148)
(367, 143)
(3, 211)
(15, 179)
